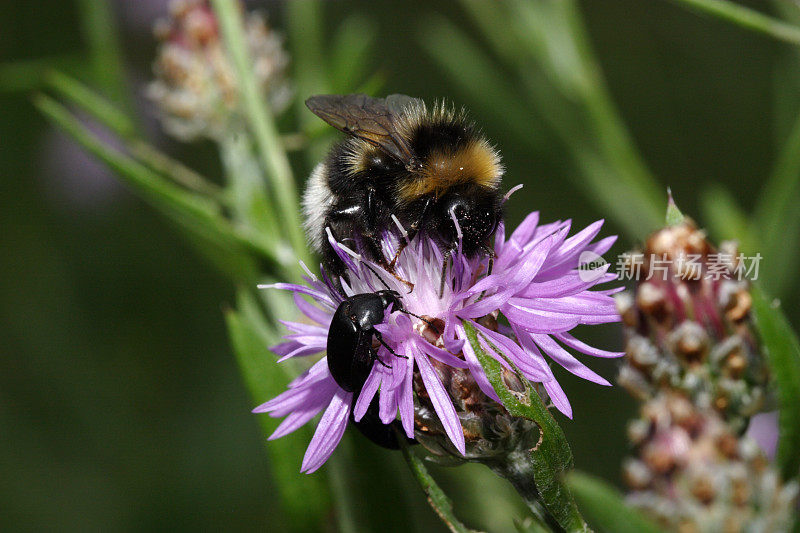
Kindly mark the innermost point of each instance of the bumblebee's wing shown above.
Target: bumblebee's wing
(373, 119)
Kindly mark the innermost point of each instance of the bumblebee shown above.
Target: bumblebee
(432, 170)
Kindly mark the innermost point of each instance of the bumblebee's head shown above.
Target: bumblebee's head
(477, 211)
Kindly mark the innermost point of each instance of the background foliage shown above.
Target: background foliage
(120, 401)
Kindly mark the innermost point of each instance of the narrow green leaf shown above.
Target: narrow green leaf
(350, 52)
(438, 500)
(304, 497)
(30, 74)
(99, 28)
(550, 461)
(746, 18)
(724, 218)
(115, 120)
(476, 74)
(605, 508)
(262, 125)
(536, 40)
(305, 26)
(192, 212)
(783, 353)
(777, 218)
(91, 102)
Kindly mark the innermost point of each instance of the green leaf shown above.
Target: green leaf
(30, 74)
(438, 500)
(350, 52)
(550, 461)
(724, 218)
(777, 218)
(477, 75)
(605, 508)
(115, 120)
(196, 214)
(782, 349)
(91, 102)
(105, 49)
(746, 18)
(545, 45)
(305, 498)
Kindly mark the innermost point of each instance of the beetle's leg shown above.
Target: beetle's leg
(379, 337)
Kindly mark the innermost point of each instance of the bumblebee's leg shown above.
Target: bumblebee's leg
(412, 230)
(356, 217)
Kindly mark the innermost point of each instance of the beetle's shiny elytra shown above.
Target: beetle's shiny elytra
(350, 351)
(351, 356)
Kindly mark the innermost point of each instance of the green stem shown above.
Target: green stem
(746, 18)
(262, 125)
(518, 469)
(437, 498)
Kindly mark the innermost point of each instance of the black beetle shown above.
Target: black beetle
(350, 351)
(351, 356)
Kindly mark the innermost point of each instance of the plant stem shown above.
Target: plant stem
(746, 18)
(262, 125)
(518, 469)
(437, 499)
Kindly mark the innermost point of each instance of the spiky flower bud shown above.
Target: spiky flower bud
(196, 89)
(693, 473)
(688, 326)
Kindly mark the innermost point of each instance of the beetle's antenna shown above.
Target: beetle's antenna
(428, 322)
(376, 274)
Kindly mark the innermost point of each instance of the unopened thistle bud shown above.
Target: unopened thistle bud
(196, 89)
(688, 326)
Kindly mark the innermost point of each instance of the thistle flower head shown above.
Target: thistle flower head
(196, 89)
(693, 473)
(523, 311)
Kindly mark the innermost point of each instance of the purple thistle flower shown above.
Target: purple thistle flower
(536, 284)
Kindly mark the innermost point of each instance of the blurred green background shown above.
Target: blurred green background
(121, 405)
